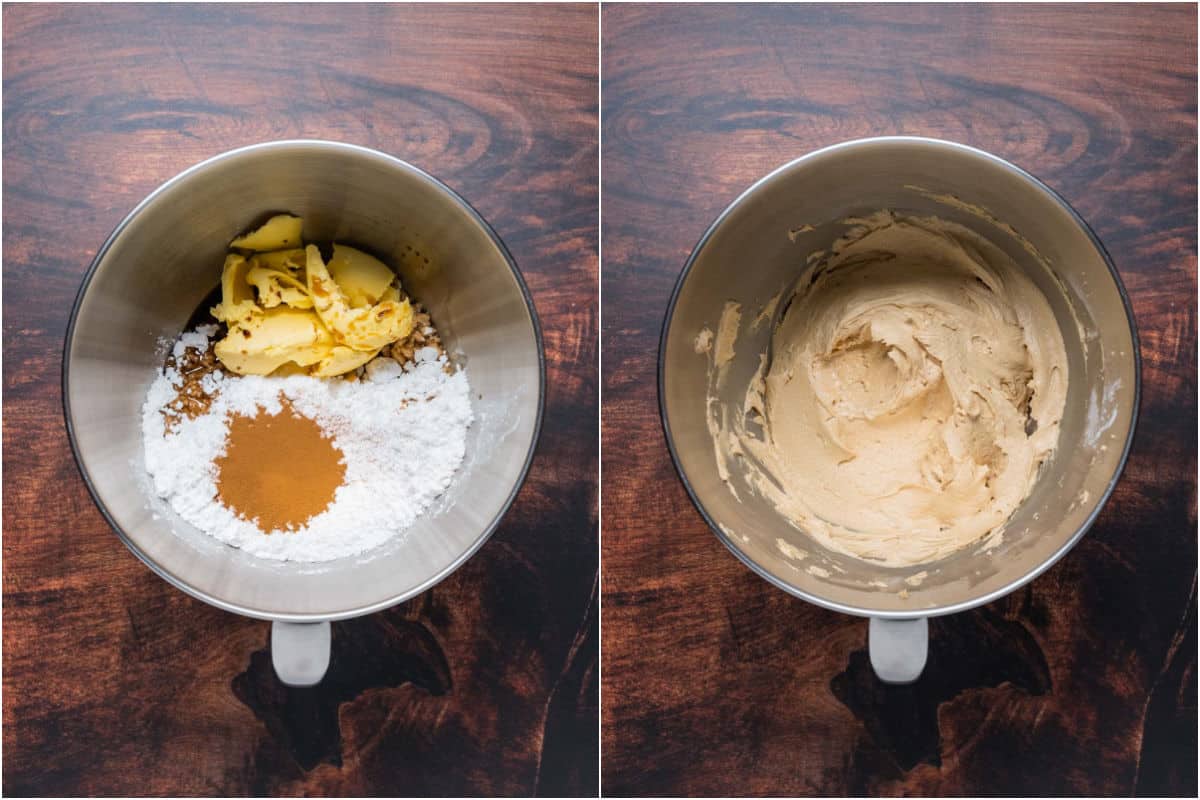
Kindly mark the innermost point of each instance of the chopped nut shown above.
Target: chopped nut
(423, 335)
(190, 399)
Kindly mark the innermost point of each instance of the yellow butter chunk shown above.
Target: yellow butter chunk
(278, 286)
(362, 278)
(367, 328)
(291, 261)
(342, 359)
(237, 295)
(279, 232)
(289, 313)
(290, 368)
(263, 343)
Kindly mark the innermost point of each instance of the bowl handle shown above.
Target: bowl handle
(300, 651)
(898, 648)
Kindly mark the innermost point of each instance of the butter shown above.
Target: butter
(367, 328)
(362, 278)
(290, 313)
(278, 286)
(290, 261)
(280, 232)
(237, 296)
(342, 359)
(266, 341)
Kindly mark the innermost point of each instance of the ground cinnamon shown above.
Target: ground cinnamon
(279, 469)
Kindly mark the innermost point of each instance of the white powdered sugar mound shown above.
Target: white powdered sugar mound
(402, 433)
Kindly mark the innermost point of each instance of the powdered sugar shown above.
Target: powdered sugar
(194, 340)
(402, 431)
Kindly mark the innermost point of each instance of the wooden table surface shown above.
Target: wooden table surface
(116, 683)
(716, 683)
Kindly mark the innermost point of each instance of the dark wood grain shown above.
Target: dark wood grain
(716, 683)
(115, 683)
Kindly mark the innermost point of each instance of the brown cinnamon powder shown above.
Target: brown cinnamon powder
(279, 469)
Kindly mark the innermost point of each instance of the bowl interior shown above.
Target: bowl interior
(167, 257)
(757, 249)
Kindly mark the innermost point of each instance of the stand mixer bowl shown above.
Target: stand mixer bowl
(165, 258)
(758, 246)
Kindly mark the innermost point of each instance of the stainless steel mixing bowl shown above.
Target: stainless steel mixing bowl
(758, 246)
(162, 261)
